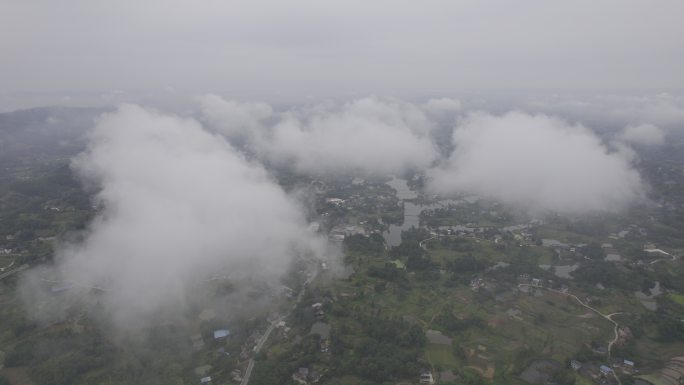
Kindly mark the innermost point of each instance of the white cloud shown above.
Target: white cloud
(538, 162)
(365, 136)
(180, 204)
(235, 120)
(609, 111)
(443, 104)
(646, 134)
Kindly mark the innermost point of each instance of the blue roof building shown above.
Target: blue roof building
(221, 333)
(605, 369)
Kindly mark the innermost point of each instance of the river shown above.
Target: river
(411, 211)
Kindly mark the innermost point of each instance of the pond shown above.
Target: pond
(411, 211)
(403, 190)
(411, 219)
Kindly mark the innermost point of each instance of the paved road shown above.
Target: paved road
(248, 373)
(259, 345)
(422, 243)
(2, 269)
(264, 338)
(11, 272)
(76, 283)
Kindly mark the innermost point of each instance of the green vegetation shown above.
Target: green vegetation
(677, 298)
(477, 304)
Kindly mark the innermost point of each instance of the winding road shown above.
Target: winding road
(616, 326)
(421, 243)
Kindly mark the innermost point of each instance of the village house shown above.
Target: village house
(605, 370)
(301, 375)
(322, 329)
(477, 283)
(318, 310)
(339, 232)
(282, 329)
(575, 365)
(628, 367)
(334, 201)
(524, 278)
(600, 350)
(426, 378)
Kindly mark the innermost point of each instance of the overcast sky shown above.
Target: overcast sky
(270, 50)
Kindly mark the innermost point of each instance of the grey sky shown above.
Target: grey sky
(271, 50)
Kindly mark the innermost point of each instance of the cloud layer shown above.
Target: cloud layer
(537, 162)
(534, 161)
(365, 136)
(180, 205)
(277, 50)
(645, 134)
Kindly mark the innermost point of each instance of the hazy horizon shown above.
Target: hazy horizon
(77, 52)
